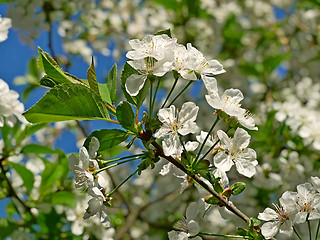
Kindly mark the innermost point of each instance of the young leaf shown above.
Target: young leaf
(92, 78)
(108, 138)
(104, 91)
(166, 31)
(52, 69)
(68, 102)
(48, 81)
(238, 188)
(25, 174)
(112, 82)
(125, 115)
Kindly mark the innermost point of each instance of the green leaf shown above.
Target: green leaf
(166, 31)
(36, 148)
(125, 115)
(64, 198)
(92, 78)
(48, 81)
(112, 83)
(272, 62)
(25, 174)
(68, 102)
(52, 69)
(108, 138)
(50, 176)
(135, 100)
(238, 188)
(104, 91)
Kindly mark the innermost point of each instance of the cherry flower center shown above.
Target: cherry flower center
(282, 214)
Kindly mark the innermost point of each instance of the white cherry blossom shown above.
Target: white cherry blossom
(151, 46)
(281, 219)
(198, 63)
(188, 226)
(229, 102)
(10, 107)
(308, 203)
(145, 67)
(5, 24)
(84, 167)
(96, 206)
(175, 123)
(235, 151)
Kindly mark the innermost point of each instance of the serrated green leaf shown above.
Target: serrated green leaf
(135, 100)
(25, 174)
(68, 102)
(92, 78)
(125, 115)
(52, 69)
(238, 188)
(48, 81)
(112, 83)
(108, 138)
(64, 198)
(104, 91)
(166, 31)
(36, 148)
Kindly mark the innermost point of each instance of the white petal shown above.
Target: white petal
(104, 218)
(165, 169)
(93, 147)
(268, 214)
(192, 211)
(245, 168)
(210, 83)
(188, 112)
(241, 138)
(135, 83)
(223, 161)
(73, 161)
(270, 229)
(193, 227)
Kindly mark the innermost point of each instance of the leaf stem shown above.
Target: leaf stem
(309, 227)
(222, 235)
(150, 101)
(121, 158)
(114, 165)
(206, 138)
(210, 149)
(155, 93)
(317, 232)
(123, 182)
(171, 90)
(295, 231)
(189, 83)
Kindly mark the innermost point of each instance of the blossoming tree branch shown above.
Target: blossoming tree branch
(154, 124)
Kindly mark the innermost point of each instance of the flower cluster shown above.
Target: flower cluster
(159, 54)
(10, 107)
(5, 24)
(84, 172)
(295, 207)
